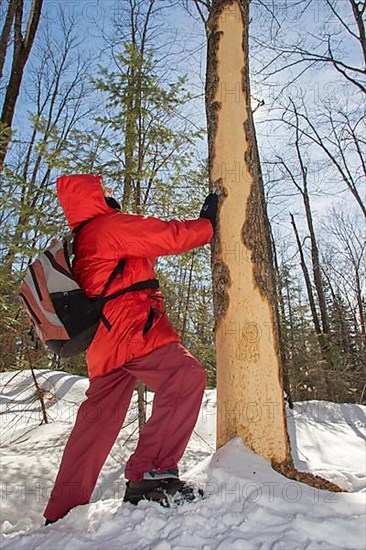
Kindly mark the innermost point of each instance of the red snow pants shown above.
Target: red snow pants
(178, 380)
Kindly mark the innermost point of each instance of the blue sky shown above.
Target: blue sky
(186, 37)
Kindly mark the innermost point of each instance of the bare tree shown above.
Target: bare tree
(341, 141)
(344, 23)
(58, 106)
(346, 266)
(304, 191)
(29, 212)
(322, 334)
(329, 120)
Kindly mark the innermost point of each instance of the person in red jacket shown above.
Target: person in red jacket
(136, 341)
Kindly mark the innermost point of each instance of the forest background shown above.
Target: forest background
(117, 88)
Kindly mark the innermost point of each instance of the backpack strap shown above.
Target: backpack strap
(81, 225)
(70, 243)
(118, 270)
(142, 285)
(100, 300)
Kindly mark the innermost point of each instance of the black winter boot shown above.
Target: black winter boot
(49, 521)
(166, 492)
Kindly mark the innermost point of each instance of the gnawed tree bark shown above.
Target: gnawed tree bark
(250, 399)
(249, 385)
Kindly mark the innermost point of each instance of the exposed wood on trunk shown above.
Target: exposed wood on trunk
(249, 384)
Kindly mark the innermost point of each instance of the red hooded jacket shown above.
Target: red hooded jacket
(110, 236)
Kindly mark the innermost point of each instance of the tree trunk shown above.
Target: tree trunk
(283, 339)
(4, 38)
(307, 279)
(321, 336)
(186, 305)
(249, 380)
(129, 148)
(316, 264)
(39, 392)
(358, 9)
(22, 48)
(141, 405)
(291, 343)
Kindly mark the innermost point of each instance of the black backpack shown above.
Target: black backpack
(63, 317)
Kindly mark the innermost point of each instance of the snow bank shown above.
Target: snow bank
(248, 505)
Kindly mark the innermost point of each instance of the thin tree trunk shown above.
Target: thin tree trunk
(307, 279)
(132, 139)
(141, 405)
(360, 303)
(5, 34)
(314, 246)
(39, 392)
(130, 142)
(282, 333)
(188, 297)
(358, 9)
(316, 265)
(292, 340)
(322, 339)
(22, 48)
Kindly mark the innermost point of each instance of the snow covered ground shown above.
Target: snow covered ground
(248, 505)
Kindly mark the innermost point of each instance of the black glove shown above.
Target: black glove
(209, 208)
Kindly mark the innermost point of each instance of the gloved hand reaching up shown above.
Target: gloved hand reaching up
(209, 208)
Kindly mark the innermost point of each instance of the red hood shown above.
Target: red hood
(81, 197)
